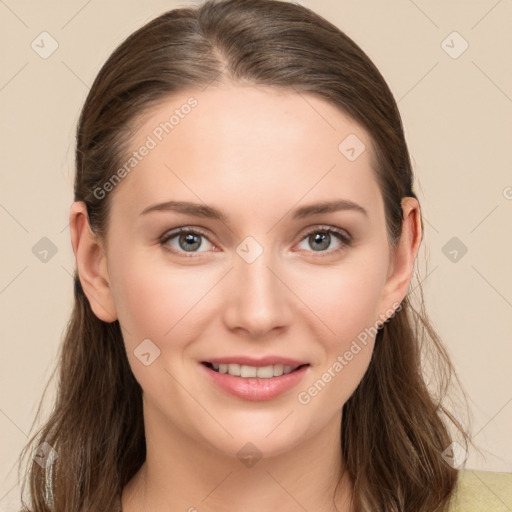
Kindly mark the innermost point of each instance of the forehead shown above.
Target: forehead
(263, 144)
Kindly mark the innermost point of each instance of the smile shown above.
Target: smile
(254, 382)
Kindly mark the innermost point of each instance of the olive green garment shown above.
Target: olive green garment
(483, 491)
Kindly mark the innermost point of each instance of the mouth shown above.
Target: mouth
(247, 371)
(255, 383)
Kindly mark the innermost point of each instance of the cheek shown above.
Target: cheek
(154, 300)
(348, 305)
(157, 303)
(347, 299)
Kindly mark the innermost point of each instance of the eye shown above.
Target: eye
(187, 240)
(321, 237)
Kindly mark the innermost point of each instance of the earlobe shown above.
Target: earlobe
(91, 263)
(404, 255)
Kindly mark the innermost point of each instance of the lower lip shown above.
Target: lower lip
(253, 388)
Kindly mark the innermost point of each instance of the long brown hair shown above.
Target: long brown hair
(394, 426)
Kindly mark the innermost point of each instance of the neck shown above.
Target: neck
(181, 473)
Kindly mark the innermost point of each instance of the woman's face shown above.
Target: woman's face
(266, 282)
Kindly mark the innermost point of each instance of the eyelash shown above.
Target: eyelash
(341, 234)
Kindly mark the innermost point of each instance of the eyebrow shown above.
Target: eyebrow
(203, 210)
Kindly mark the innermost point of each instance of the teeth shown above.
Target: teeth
(263, 372)
(247, 371)
(279, 370)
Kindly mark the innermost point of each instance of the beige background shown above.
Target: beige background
(457, 114)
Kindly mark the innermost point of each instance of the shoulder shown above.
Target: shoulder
(482, 491)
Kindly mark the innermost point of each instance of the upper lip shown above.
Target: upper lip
(251, 361)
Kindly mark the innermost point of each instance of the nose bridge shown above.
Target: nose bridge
(258, 299)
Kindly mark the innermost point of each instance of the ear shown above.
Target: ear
(402, 258)
(91, 263)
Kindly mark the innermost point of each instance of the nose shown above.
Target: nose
(258, 298)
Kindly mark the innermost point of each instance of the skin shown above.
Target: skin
(256, 153)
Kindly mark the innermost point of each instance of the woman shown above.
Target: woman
(245, 231)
